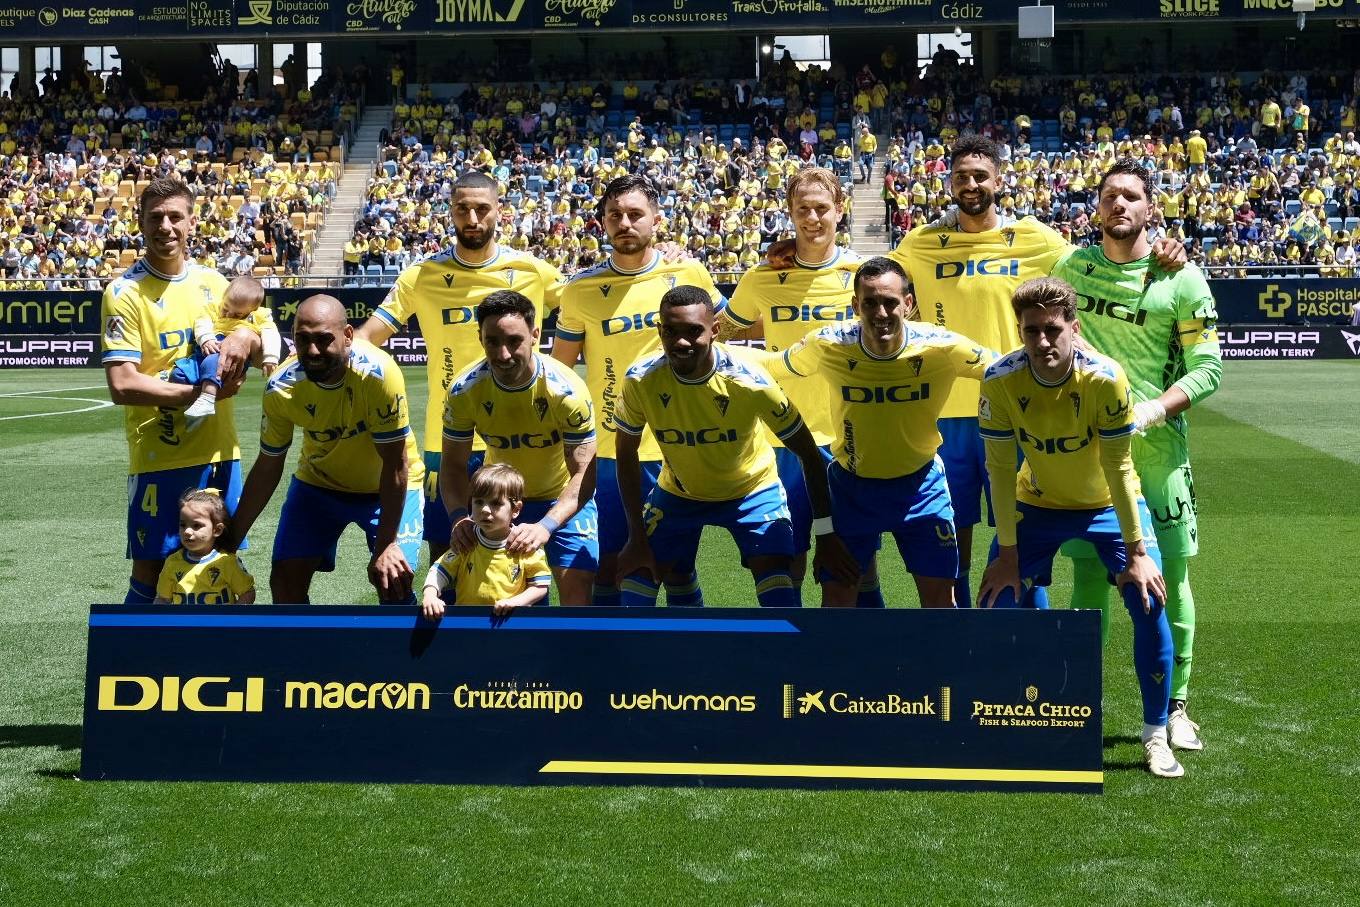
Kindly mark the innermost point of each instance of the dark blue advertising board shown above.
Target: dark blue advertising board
(957, 700)
(243, 19)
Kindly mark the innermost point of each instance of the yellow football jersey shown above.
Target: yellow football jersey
(148, 319)
(789, 303)
(613, 313)
(527, 426)
(1062, 431)
(884, 409)
(709, 429)
(342, 424)
(964, 282)
(488, 573)
(215, 579)
(442, 293)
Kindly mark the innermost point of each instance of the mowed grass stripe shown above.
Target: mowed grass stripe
(1263, 815)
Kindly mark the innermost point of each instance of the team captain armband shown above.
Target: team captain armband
(1197, 331)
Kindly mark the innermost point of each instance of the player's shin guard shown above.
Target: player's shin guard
(775, 589)
(1180, 612)
(1151, 654)
(870, 594)
(1037, 597)
(963, 592)
(686, 594)
(608, 596)
(638, 592)
(1091, 589)
(139, 593)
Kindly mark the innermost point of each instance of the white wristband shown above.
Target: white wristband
(1149, 414)
(822, 526)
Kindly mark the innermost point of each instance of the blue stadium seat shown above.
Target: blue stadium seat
(744, 131)
(1293, 207)
(1335, 223)
(1331, 208)
(1351, 224)
(1208, 243)
(843, 131)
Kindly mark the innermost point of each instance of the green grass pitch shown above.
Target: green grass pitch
(1266, 814)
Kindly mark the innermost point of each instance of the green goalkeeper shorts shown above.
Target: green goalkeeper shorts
(1163, 464)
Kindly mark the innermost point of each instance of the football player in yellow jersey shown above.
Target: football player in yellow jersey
(535, 414)
(888, 379)
(442, 292)
(1071, 412)
(609, 316)
(964, 269)
(148, 325)
(782, 305)
(706, 407)
(359, 462)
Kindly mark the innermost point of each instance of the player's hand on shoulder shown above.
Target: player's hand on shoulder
(463, 538)
(833, 557)
(526, 538)
(780, 254)
(671, 251)
(1170, 254)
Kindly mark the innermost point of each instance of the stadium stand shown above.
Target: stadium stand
(1253, 172)
(74, 158)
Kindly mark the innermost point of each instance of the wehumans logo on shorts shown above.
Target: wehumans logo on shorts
(336, 694)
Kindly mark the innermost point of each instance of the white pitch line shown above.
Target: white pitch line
(98, 404)
(55, 390)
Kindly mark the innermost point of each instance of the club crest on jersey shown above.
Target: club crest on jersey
(916, 362)
(670, 281)
(487, 405)
(722, 401)
(665, 400)
(541, 407)
(605, 288)
(214, 575)
(1008, 234)
(1024, 404)
(514, 572)
(846, 278)
(510, 276)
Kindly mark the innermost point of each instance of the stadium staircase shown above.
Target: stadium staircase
(329, 257)
(867, 234)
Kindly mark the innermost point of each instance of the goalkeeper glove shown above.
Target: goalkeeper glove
(1148, 414)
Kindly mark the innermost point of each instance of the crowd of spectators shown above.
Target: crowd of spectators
(1251, 172)
(76, 149)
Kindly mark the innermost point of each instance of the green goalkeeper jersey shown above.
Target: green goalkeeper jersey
(1159, 326)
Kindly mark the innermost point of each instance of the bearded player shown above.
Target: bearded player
(1160, 327)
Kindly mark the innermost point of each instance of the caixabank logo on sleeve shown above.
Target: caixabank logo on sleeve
(1035, 711)
(800, 703)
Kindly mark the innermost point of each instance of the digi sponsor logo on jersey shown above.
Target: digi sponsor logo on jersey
(1035, 711)
(337, 694)
(657, 701)
(132, 693)
(621, 324)
(839, 702)
(524, 440)
(695, 438)
(1066, 444)
(534, 697)
(981, 267)
(458, 315)
(1110, 309)
(897, 393)
(806, 312)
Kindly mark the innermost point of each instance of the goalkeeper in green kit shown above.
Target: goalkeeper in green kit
(1160, 327)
